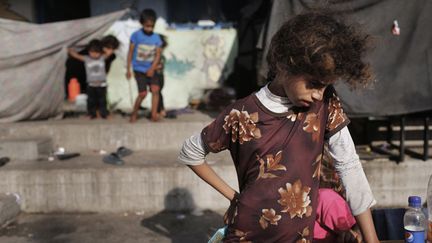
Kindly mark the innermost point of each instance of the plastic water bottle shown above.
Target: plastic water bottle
(414, 221)
(429, 203)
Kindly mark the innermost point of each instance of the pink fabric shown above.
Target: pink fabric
(333, 213)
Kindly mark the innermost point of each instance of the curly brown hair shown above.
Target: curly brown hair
(322, 46)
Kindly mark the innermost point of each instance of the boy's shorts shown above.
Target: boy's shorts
(143, 81)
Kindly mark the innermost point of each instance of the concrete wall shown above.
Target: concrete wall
(93, 186)
(114, 189)
(393, 183)
(25, 8)
(152, 188)
(108, 136)
(99, 7)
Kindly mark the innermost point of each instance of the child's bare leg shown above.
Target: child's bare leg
(138, 101)
(155, 102)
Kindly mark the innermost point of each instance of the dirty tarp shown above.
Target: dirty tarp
(403, 64)
(32, 64)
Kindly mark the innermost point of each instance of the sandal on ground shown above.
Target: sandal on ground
(113, 159)
(4, 160)
(66, 156)
(123, 152)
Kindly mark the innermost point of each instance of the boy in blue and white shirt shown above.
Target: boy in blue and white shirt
(144, 55)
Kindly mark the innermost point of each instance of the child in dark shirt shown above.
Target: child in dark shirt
(109, 44)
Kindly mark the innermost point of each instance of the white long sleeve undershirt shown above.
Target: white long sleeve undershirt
(341, 147)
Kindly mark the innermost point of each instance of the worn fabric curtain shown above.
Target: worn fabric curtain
(32, 64)
(402, 63)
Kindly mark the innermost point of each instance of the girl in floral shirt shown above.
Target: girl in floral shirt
(276, 136)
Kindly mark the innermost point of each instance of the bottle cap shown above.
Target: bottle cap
(414, 201)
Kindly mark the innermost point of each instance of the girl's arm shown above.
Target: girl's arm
(193, 155)
(75, 54)
(358, 193)
(205, 172)
(129, 60)
(365, 222)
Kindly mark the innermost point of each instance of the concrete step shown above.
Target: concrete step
(81, 134)
(150, 181)
(157, 227)
(26, 148)
(393, 183)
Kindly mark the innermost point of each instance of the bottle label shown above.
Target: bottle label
(218, 236)
(414, 236)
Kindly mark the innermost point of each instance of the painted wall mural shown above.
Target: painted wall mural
(195, 60)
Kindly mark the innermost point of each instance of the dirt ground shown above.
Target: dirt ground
(112, 228)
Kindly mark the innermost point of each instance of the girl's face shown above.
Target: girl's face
(108, 51)
(301, 90)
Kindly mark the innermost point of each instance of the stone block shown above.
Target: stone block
(26, 148)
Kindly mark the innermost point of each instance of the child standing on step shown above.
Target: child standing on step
(144, 55)
(75, 68)
(160, 75)
(109, 44)
(276, 136)
(94, 64)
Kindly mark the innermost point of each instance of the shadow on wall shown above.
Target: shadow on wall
(182, 221)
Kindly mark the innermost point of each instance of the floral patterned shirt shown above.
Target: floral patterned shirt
(277, 157)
